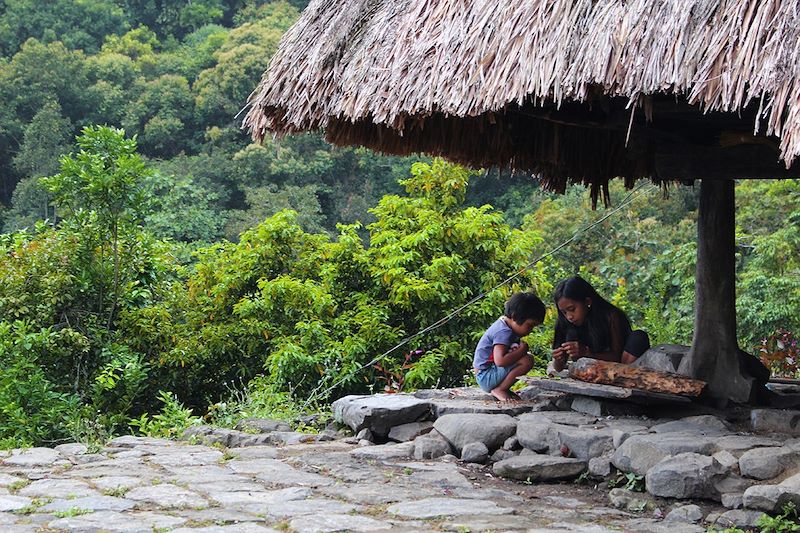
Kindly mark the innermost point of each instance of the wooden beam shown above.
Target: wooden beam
(595, 371)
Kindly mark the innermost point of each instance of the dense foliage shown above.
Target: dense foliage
(154, 261)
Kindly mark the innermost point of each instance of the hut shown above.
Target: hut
(575, 91)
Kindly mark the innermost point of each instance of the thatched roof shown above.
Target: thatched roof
(583, 90)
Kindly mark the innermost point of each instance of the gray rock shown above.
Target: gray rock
(599, 407)
(32, 457)
(167, 496)
(118, 483)
(686, 475)
(58, 488)
(738, 518)
(91, 503)
(383, 452)
(537, 433)
(365, 434)
(280, 474)
(739, 443)
(435, 507)
(626, 499)
(732, 483)
(663, 358)
(336, 522)
(766, 463)
(380, 412)
(287, 438)
(689, 514)
(584, 443)
(511, 443)
(262, 425)
(600, 466)
(474, 452)
(567, 418)
(12, 503)
(539, 468)
(501, 455)
(727, 459)
(463, 429)
(129, 441)
(772, 498)
(694, 425)
(732, 500)
(775, 421)
(116, 522)
(246, 527)
(313, 506)
(209, 457)
(244, 498)
(256, 452)
(506, 523)
(6, 480)
(640, 453)
(442, 407)
(407, 432)
(72, 448)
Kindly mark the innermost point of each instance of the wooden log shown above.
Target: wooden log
(595, 371)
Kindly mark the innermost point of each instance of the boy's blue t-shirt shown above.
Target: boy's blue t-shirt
(498, 333)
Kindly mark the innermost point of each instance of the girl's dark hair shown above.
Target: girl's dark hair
(597, 319)
(524, 305)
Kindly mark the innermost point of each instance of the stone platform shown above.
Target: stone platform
(452, 460)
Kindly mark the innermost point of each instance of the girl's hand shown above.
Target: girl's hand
(559, 359)
(575, 349)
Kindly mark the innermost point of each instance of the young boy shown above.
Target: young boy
(501, 357)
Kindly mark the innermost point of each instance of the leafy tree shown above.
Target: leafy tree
(223, 90)
(308, 310)
(266, 201)
(100, 187)
(79, 25)
(44, 141)
(184, 211)
(161, 116)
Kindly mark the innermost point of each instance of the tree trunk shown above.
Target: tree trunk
(714, 356)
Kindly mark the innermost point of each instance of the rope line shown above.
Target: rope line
(638, 191)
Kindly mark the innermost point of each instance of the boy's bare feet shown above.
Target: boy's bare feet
(504, 395)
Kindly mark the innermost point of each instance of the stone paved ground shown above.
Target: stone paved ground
(151, 485)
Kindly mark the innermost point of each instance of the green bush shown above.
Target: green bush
(34, 408)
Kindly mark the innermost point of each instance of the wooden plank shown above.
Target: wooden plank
(608, 373)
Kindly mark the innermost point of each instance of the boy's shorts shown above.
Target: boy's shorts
(491, 377)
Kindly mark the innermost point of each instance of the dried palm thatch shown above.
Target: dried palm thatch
(575, 90)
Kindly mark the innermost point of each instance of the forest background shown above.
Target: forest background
(158, 269)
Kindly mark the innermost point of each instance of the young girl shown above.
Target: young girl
(589, 326)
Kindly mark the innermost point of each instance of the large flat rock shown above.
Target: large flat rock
(381, 412)
(436, 507)
(117, 522)
(337, 522)
(539, 468)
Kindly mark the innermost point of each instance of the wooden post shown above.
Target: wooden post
(714, 355)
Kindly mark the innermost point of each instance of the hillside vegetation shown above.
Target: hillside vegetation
(153, 260)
